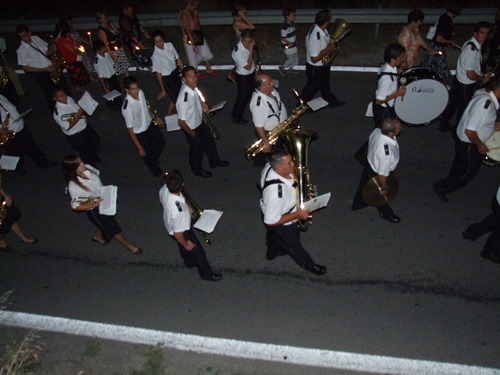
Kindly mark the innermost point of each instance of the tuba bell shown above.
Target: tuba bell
(342, 28)
(297, 140)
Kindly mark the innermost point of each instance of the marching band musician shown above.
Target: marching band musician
(245, 68)
(32, 56)
(70, 117)
(177, 220)
(467, 77)
(318, 75)
(475, 126)
(383, 158)
(23, 142)
(84, 182)
(144, 134)
(280, 214)
(167, 65)
(190, 117)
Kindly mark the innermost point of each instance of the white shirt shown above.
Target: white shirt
(316, 41)
(267, 112)
(387, 84)
(189, 107)
(240, 57)
(93, 184)
(277, 199)
(176, 215)
(469, 59)
(104, 66)
(383, 152)
(136, 113)
(29, 56)
(7, 106)
(164, 59)
(64, 109)
(479, 116)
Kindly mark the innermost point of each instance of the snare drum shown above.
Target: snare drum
(425, 99)
(492, 158)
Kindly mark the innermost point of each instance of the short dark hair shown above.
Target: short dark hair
(321, 17)
(97, 45)
(128, 81)
(454, 8)
(481, 25)
(21, 29)
(287, 11)
(174, 181)
(415, 15)
(246, 33)
(493, 84)
(388, 125)
(156, 33)
(186, 69)
(276, 157)
(393, 51)
(237, 6)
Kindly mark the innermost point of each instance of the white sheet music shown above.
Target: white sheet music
(317, 103)
(9, 163)
(111, 95)
(23, 115)
(208, 220)
(172, 122)
(218, 106)
(108, 204)
(318, 202)
(87, 103)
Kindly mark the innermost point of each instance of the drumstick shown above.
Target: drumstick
(402, 80)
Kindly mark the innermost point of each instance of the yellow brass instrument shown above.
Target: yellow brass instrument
(297, 141)
(195, 214)
(56, 61)
(208, 119)
(9, 134)
(70, 117)
(3, 79)
(258, 64)
(342, 28)
(252, 150)
(86, 201)
(154, 115)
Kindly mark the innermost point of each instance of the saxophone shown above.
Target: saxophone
(5, 138)
(154, 115)
(297, 140)
(195, 214)
(252, 150)
(56, 61)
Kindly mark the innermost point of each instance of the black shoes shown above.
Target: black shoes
(215, 277)
(489, 256)
(203, 173)
(221, 163)
(468, 234)
(318, 270)
(336, 103)
(390, 218)
(240, 121)
(441, 195)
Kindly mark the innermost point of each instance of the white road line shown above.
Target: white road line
(241, 349)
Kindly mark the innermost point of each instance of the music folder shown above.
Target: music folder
(318, 202)
(317, 103)
(87, 103)
(172, 123)
(208, 220)
(111, 95)
(108, 204)
(218, 106)
(8, 163)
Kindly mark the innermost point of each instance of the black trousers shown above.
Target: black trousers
(465, 165)
(460, 96)
(153, 143)
(24, 144)
(358, 201)
(113, 84)
(318, 79)
(43, 79)
(196, 257)
(490, 223)
(200, 144)
(87, 143)
(173, 84)
(246, 86)
(107, 224)
(285, 239)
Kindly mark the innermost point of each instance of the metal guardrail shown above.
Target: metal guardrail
(261, 17)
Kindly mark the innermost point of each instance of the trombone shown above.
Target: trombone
(207, 118)
(196, 214)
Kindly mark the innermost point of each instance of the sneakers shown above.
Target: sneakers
(282, 71)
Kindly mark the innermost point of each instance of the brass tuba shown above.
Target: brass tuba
(342, 28)
(195, 214)
(5, 138)
(297, 141)
(252, 150)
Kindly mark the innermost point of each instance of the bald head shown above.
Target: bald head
(264, 84)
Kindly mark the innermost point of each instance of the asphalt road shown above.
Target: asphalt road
(412, 290)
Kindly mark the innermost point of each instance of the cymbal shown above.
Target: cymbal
(371, 192)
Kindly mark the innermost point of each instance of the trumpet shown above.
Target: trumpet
(196, 214)
(86, 201)
(154, 115)
(208, 120)
(70, 117)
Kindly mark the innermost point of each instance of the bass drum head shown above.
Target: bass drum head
(425, 99)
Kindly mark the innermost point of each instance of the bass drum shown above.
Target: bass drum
(425, 99)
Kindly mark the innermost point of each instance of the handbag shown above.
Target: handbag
(198, 37)
(432, 31)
